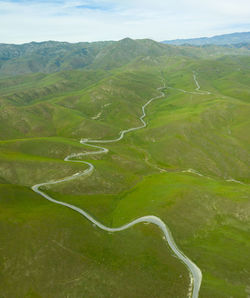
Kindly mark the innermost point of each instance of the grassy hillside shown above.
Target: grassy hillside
(51, 56)
(59, 253)
(67, 104)
(46, 57)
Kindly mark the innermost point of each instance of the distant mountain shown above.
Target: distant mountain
(53, 56)
(124, 51)
(47, 57)
(226, 39)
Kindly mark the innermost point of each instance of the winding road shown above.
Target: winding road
(195, 272)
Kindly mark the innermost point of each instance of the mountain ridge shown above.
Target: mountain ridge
(223, 39)
(54, 56)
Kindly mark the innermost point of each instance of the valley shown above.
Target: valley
(173, 159)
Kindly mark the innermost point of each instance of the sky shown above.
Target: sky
(91, 20)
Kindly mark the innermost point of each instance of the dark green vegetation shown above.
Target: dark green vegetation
(225, 39)
(51, 56)
(49, 251)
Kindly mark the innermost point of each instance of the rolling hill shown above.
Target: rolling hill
(189, 166)
(51, 56)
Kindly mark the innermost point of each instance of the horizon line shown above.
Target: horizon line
(114, 40)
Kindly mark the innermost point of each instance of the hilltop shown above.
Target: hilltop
(52, 56)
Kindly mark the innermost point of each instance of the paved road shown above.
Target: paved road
(196, 275)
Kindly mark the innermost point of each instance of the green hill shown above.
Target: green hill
(189, 166)
(52, 56)
(46, 57)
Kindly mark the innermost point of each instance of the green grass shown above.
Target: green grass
(70, 114)
(68, 256)
(59, 252)
(208, 218)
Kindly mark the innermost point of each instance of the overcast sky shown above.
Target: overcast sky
(91, 20)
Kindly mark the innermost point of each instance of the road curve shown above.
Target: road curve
(196, 275)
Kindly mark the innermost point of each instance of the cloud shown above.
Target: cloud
(24, 21)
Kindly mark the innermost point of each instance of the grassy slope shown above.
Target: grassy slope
(59, 254)
(209, 218)
(47, 57)
(51, 56)
(69, 111)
